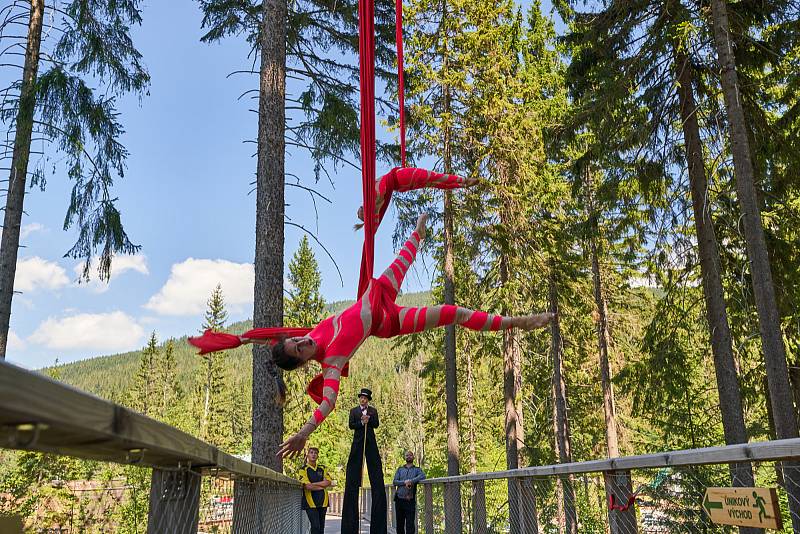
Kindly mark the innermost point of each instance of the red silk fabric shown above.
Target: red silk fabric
(366, 48)
(401, 100)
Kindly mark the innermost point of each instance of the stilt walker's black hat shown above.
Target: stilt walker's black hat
(365, 393)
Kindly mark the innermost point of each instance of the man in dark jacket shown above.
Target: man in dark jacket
(405, 497)
(364, 421)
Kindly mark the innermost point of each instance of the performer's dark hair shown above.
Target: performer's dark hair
(282, 359)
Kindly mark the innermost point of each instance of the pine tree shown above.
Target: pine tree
(91, 45)
(168, 385)
(146, 397)
(213, 397)
(304, 304)
(304, 307)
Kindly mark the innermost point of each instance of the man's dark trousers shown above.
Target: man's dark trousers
(316, 516)
(374, 469)
(406, 512)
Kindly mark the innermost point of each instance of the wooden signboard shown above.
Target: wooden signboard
(744, 507)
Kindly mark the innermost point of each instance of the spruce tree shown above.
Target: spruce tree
(89, 45)
(304, 307)
(304, 303)
(146, 397)
(213, 398)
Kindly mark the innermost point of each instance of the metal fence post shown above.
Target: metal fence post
(174, 502)
(428, 509)
(479, 507)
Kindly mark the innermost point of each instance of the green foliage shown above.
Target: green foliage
(322, 43)
(93, 61)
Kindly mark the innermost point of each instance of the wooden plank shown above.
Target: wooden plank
(744, 507)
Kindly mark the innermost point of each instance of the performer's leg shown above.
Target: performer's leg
(408, 178)
(415, 319)
(351, 485)
(396, 272)
(375, 469)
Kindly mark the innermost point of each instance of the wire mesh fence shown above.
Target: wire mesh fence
(640, 501)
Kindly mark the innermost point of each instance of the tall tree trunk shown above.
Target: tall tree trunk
(568, 521)
(473, 456)
(453, 497)
(730, 398)
(9, 247)
(763, 288)
(603, 336)
(617, 484)
(268, 298)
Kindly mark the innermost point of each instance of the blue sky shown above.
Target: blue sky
(185, 198)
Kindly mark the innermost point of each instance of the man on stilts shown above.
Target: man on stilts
(363, 422)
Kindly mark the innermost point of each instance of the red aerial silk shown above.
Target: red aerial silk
(216, 341)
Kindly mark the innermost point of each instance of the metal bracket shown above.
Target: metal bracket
(175, 484)
(25, 435)
(134, 456)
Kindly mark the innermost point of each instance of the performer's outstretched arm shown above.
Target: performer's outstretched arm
(330, 392)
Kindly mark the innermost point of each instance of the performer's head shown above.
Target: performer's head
(409, 457)
(293, 352)
(312, 455)
(364, 397)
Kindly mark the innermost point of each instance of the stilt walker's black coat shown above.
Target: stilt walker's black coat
(353, 480)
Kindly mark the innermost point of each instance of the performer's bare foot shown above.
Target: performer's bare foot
(532, 322)
(422, 220)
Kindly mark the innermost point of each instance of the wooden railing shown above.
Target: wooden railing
(41, 414)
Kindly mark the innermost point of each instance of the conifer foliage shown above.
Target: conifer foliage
(78, 57)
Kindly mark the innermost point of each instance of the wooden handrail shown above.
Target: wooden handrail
(40, 414)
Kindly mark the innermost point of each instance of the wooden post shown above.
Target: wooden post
(452, 507)
(174, 502)
(429, 509)
(618, 484)
(528, 513)
(479, 507)
(390, 506)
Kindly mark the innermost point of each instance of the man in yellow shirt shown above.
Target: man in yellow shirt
(315, 481)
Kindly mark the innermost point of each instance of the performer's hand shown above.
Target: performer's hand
(408, 484)
(364, 419)
(293, 446)
(422, 221)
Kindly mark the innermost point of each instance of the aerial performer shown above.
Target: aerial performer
(336, 339)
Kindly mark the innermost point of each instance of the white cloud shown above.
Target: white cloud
(115, 331)
(14, 341)
(191, 282)
(28, 229)
(35, 273)
(119, 264)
